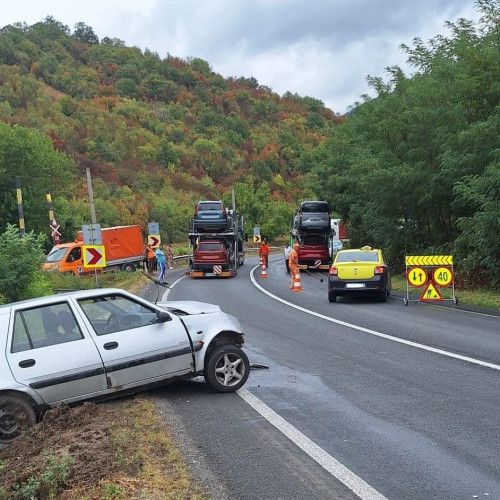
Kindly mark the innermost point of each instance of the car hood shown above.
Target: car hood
(189, 307)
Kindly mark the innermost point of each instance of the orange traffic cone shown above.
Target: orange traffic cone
(261, 262)
(297, 287)
(263, 272)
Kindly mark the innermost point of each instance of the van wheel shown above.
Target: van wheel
(16, 416)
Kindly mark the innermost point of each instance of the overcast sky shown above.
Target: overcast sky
(318, 48)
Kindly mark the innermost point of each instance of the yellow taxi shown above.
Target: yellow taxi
(359, 270)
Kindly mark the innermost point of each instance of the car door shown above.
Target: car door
(136, 347)
(60, 363)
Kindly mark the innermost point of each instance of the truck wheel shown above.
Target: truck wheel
(129, 268)
(16, 415)
(227, 368)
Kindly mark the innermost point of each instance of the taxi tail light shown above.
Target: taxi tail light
(333, 271)
(379, 270)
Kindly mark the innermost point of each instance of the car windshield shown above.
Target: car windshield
(56, 254)
(313, 241)
(315, 207)
(210, 247)
(357, 257)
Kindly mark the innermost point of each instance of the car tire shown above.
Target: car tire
(332, 297)
(382, 296)
(227, 368)
(16, 416)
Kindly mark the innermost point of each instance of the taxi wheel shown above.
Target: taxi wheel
(16, 415)
(382, 296)
(332, 297)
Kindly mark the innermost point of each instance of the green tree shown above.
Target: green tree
(29, 155)
(20, 263)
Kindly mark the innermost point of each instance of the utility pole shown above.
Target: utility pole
(93, 220)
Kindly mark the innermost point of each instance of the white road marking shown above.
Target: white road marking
(330, 464)
(373, 332)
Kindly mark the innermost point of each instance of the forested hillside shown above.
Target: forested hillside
(414, 169)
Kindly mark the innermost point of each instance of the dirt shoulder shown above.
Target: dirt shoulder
(119, 449)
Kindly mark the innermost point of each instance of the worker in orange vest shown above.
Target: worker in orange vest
(293, 262)
(264, 252)
(150, 256)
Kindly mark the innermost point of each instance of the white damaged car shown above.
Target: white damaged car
(90, 344)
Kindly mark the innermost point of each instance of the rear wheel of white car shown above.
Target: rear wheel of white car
(16, 415)
(227, 368)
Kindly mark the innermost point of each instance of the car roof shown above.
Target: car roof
(77, 294)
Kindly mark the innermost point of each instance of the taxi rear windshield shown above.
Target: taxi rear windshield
(357, 257)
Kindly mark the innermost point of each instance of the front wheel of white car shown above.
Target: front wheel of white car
(226, 368)
(16, 416)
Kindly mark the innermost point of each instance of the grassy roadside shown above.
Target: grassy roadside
(91, 452)
(481, 297)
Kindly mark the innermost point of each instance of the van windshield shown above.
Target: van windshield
(56, 254)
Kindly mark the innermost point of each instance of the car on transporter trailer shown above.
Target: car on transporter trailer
(92, 344)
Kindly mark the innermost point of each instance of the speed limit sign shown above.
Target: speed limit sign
(442, 276)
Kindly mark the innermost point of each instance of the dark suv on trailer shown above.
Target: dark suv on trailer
(312, 216)
(210, 216)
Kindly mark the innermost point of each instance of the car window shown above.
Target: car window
(357, 257)
(313, 241)
(210, 247)
(315, 207)
(44, 326)
(114, 313)
(210, 206)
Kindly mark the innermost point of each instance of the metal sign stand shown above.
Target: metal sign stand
(431, 272)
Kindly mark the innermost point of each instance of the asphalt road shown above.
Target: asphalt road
(359, 400)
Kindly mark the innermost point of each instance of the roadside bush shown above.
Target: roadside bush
(20, 262)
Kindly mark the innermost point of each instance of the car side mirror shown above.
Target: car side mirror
(163, 316)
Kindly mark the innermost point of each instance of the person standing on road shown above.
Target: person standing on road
(286, 253)
(160, 259)
(264, 252)
(293, 262)
(150, 257)
(170, 256)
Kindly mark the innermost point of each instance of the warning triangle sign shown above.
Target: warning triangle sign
(431, 292)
